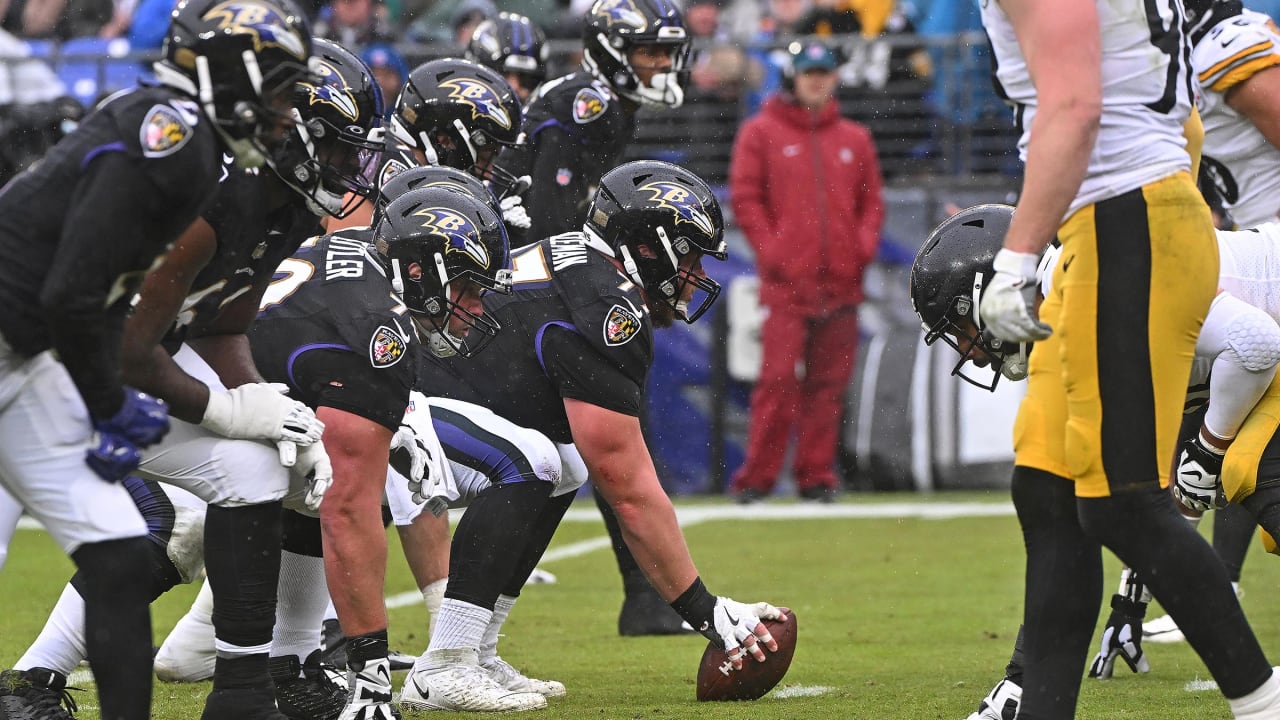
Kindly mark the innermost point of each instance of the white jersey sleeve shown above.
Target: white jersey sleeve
(1248, 167)
(1146, 93)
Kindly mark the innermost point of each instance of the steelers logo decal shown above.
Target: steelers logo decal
(386, 348)
(620, 325)
(163, 132)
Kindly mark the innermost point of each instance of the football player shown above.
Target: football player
(211, 282)
(341, 326)
(575, 350)
(577, 127)
(136, 172)
(454, 113)
(1240, 343)
(512, 45)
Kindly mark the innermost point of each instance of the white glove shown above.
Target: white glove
(514, 213)
(1196, 483)
(314, 465)
(409, 454)
(432, 483)
(1006, 308)
(261, 411)
(741, 631)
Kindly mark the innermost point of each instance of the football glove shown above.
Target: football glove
(737, 625)
(313, 464)
(117, 441)
(1008, 301)
(261, 411)
(409, 454)
(1196, 483)
(514, 212)
(1122, 636)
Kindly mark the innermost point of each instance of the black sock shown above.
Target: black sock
(540, 537)
(1062, 595)
(1144, 529)
(242, 556)
(1013, 671)
(633, 580)
(489, 540)
(1233, 528)
(115, 584)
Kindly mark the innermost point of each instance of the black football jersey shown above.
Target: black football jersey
(332, 329)
(80, 228)
(576, 129)
(253, 239)
(573, 327)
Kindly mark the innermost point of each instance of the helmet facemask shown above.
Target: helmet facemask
(664, 89)
(654, 263)
(433, 299)
(961, 327)
(329, 166)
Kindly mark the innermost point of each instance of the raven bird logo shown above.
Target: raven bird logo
(620, 12)
(265, 24)
(482, 99)
(332, 91)
(460, 233)
(682, 201)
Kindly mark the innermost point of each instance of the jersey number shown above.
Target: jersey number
(1168, 40)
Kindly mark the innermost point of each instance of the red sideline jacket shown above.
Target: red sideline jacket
(806, 191)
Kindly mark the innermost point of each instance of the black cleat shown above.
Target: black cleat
(36, 694)
(305, 691)
(333, 646)
(644, 612)
(241, 704)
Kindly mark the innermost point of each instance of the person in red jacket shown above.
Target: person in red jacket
(805, 187)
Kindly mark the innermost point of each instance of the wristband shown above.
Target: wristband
(697, 607)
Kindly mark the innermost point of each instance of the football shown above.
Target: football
(718, 681)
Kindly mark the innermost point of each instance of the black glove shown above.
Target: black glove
(1122, 635)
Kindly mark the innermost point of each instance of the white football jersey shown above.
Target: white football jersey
(1146, 93)
(1247, 165)
(1249, 266)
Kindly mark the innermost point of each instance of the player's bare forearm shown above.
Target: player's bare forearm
(229, 356)
(153, 371)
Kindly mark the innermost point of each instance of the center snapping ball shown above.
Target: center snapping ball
(718, 681)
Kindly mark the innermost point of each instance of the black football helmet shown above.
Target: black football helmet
(434, 176)
(948, 276)
(337, 133)
(239, 59)
(1202, 15)
(454, 237)
(457, 112)
(511, 44)
(614, 27)
(649, 215)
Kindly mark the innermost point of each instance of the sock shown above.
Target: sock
(433, 595)
(242, 557)
(489, 643)
(117, 618)
(302, 598)
(60, 645)
(1262, 703)
(330, 612)
(460, 625)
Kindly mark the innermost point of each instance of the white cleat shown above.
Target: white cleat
(453, 680)
(1000, 704)
(370, 693)
(1162, 630)
(512, 679)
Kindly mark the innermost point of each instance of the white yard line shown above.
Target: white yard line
(793, 691)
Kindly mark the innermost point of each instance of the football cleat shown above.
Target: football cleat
(333, 645)
(1001, 703)
(453, 680)
(514, 680)
(644, 612)
(1162, 630)
(36, 694)
(304, 691)
(369, 692)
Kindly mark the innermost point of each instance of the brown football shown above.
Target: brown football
(718, 681)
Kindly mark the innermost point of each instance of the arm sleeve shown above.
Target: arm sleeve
(747, 182)
(109, 239)
(554, 200)
(579, 371)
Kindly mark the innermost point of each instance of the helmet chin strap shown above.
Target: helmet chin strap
(397, 280)
(629, 264)
(472, 153)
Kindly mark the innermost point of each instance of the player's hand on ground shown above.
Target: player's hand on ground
(261, 411)
(1196, 483)
(117, 441)
(1007, 307)
(738, 626)
(1121, 638)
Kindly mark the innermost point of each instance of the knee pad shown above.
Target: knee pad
(1248, 333)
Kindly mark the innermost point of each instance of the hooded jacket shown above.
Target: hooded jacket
(806, 190)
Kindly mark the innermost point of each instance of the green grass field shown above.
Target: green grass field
(900, 617)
